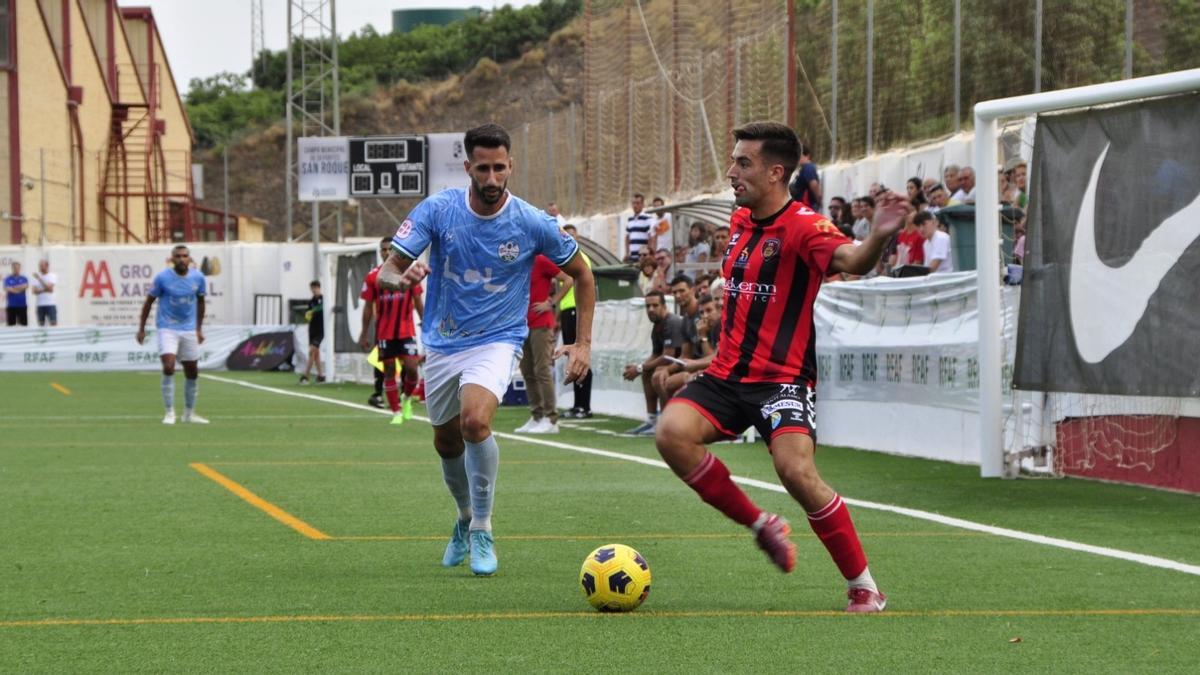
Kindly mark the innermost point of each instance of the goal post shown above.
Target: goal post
(987, 230)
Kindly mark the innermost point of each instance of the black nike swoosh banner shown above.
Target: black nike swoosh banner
(1110, 302)
(351, 271)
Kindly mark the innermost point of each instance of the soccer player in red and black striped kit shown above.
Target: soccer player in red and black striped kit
(395, 333)
(764, 373)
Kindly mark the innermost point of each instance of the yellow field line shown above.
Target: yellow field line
(624, 537)
(260, 503)
(518, 616)
(61, 389)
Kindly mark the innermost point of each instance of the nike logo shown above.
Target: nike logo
(1108, 302)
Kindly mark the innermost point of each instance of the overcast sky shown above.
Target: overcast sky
(205, 37)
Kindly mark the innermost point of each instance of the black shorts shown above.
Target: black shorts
(772, 409)
(314, 339)
(397, 349)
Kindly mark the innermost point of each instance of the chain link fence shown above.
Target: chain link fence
(665, 81)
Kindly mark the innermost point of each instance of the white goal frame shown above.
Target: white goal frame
(987, 228)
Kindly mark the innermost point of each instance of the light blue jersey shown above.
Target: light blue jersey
(478, 291)
(177, 298)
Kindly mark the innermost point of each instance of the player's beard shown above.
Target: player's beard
(181, 268)
(487, 196)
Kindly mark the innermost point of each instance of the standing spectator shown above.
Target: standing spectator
(698, 247)
(637, 227)
(938, 256)
(662, 226)
(179, 321)
(866, 213)
(315, 315)
(537, 364)
(806, 186)
(553, 212)
(966, 187)
(43, 285)
(15, 285)
(950, 178)
(666, 340)
(582, 409)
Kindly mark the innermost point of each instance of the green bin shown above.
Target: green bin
(616, 282)
(960, 221)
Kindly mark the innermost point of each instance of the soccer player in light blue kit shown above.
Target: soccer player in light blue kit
(180, 315)
(482, 242)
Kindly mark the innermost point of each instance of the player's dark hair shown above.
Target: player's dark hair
(921, 216)
(657, 294)
(176, 247)
(386, 240)
(486, 136)
(682, 279)
(779, 142)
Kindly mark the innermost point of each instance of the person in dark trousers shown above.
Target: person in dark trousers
(582, 408)
(316, 332)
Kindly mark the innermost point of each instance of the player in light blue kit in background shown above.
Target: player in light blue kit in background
(482, 242)
(180, 315)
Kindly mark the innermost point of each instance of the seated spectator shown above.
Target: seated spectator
(913, 186)
(702, 282)
(1016, 172)
(966, 187)
(910, 242)
(936, 248)
(647, 274)
(848, 215)
(669, 380)
(836, 204)
(939, 198)
(698, 247)
(664, 270)
(950, 178)
(666, 340)
(720, 242)
(866, 211)
(927, 185)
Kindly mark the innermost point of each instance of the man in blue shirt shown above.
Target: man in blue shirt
(482, 242)
(18, 308)
(180, 291)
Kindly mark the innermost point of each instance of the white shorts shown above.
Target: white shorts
(182, 343)
(489, 366)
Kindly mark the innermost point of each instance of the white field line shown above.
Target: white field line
(1139, 558)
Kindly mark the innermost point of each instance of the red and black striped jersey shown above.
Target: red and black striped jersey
(393, 309)
(773, 270)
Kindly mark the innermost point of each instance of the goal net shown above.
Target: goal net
(1106, 378)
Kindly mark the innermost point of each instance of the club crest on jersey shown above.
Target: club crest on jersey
(769, 248)
(509, 251)
(405, 229)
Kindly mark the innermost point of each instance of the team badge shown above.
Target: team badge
(776, 418)
(509, 251)
(405, 229)
(770, 247)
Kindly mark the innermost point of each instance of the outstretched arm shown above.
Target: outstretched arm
(889, 217)
(399, 273)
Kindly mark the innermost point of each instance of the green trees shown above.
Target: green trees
(225, 103)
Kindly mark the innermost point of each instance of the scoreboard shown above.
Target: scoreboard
(388, 166)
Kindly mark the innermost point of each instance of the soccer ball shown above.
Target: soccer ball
(615, 578)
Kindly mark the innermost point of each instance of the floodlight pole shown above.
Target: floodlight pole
(987, 229)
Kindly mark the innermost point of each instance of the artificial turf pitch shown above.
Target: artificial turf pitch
(297, 534)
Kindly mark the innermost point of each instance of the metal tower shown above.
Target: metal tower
(258, 42)
(312, 92)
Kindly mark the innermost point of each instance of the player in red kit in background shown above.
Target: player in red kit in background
(395, 333)
(764, 374)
